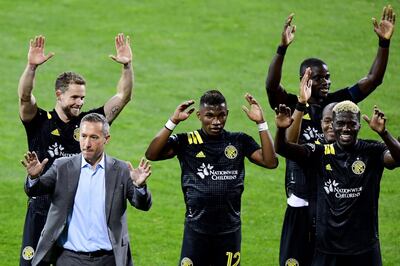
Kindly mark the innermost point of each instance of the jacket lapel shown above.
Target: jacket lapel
(74, 171)
(110, 178)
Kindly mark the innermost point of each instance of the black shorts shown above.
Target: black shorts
(202, 249)
(35, 220)
(298, 237)
(369, 258)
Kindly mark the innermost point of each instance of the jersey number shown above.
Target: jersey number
(235, 256)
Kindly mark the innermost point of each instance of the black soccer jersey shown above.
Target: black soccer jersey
(310, 132)
(212, 178)
(51, 138)
(348, 190)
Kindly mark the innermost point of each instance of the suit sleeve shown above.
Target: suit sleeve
(45, 184)
(140, 198)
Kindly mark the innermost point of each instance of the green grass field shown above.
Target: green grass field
(181, 49)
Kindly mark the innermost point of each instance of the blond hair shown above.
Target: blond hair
(346, 106)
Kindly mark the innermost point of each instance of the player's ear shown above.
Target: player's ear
(107, 139)
(198, 114)
(58, 94)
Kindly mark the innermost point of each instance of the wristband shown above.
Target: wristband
(384, 43)
(170, 125)
(301, 107)
(281, 50)
(262, 126)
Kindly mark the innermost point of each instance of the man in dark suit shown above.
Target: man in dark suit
(86, 224)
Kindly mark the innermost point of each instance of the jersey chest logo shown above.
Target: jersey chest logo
(231, 152)
(76, 134)
(358, 167)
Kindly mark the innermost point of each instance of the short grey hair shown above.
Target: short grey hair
(97, 118)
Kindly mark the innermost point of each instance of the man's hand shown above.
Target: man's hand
(385, 28)
(123, 48)
(36, 54)
(288, 31)
(32, 164)
(283, 118)
(377, 122)
(305, 86)
(140, 174)
(255, 112)
(181, 113)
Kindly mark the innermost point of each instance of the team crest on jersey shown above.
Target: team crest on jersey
(358, 167)
(186, 262)
(76, 134)
(291, 262)
(231, 152)
(28, 252)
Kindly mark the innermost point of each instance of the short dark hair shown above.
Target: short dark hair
(97, 118)
(66, 78)
(310, 62)
(212, 97)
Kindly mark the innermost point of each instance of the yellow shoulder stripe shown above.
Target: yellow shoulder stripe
(194, 137)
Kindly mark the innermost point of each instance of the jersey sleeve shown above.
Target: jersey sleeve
(249, 145)
(34, 124)
(352, 93)
(314, 153)
(175, 141)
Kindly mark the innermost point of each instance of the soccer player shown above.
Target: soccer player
(54, 134)
(296, 187)
(212, 163)
(348, 182)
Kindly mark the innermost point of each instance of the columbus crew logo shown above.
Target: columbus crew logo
(27, 253)
(76, 134)
(358, 167)
(292, 262)
(186, 262)
(231, 152)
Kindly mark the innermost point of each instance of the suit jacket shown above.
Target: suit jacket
(61, 181)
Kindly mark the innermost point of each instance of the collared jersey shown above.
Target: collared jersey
(51, 138)
(348, 186)
(310, 132)
(212, 178)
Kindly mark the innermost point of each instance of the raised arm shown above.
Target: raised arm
(158, 148)
(384, 31)
(288, 150)
(293, 132)
(141, 198)
(275, 91)
(36, 57)
(265, 156)
(378, 124)
(125, 85)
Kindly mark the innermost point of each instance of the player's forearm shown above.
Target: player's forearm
(26, 83)
(274, 74)
(293, 132)
(125, 83)
(377, 71)
(392, 144)
(269, 156)
(155, 150)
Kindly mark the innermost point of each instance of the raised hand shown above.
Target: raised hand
(123, 49)
(305, 86)
(181, 113)
(385, 27)
(377, 121)
(283, 118)
(255, 112)
(32, 164)
(36, 54)
(288, 31)
(140, 174)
